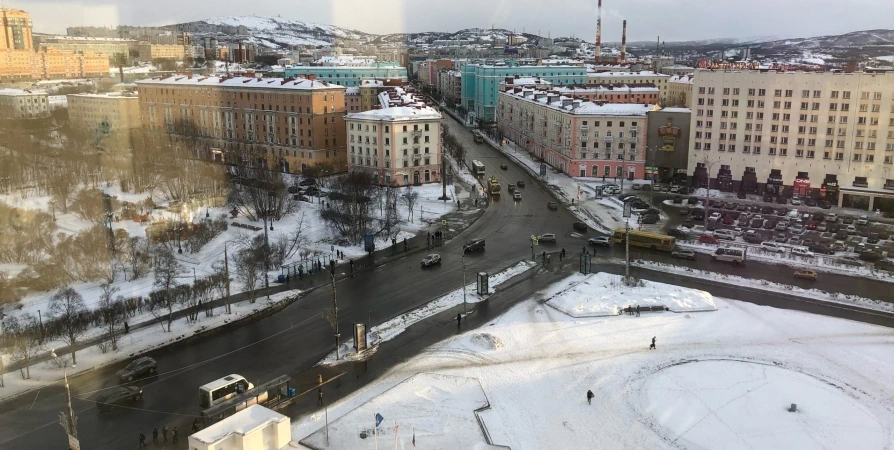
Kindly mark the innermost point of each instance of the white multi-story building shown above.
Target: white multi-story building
(397, 145)
(574, 136)
(24, 104)
(819, 134)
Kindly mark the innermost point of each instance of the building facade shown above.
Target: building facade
(480, 85)
(580, 138)
(150, 52)
(254, 428)
(667, 145)
(613, 93)
(111, 47)
(286, 124)
(450, 83)
(23, 104)
(821, 134)
(350, 76)
(106, 113)
(15, 30)
(634, 77)
(679, 91)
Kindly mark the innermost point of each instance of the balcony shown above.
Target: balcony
(609, 139)
(584, 138)
(631, 140)
(417, 157)
(634, 129)
(417, 133)
(584, 127)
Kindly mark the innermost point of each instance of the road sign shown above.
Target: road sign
(444, 222)
(627, 208)
(359, 337)
(73, 443)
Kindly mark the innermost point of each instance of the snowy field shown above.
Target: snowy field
(603, 294)
(717, 380)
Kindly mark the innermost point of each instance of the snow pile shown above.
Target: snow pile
(437, 410)
(604, 294)
(720, 380)
(486, 341)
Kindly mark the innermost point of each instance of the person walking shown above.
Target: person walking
(320, 396)
(195, 425)
(652, 347)
(174, 438)
(142, 440)
(126, 328)
(164, 434)
(637, 310)
(548, 257)
(352, 267)
(459, 319)
(155, 436)
(590, 397)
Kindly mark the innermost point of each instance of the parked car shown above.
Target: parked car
(431, 260)
(781, 200)
(137, 368)
(675, 189)
(772, 247)
(839, 246)
(520, 183)
(307, 182)
(740, 195)
(716, 204)
(678, 200)
(821, 249)
(851, 229)
(810, 226)
(742, 208)
(637, 186)
(680, 253)
(768, 210)
(120, 395)
(650, 219)
(796, 200)
(822, 227)
(692, 200)
(824, 204)
(781, 238)
(473, 246)
(847, 220)
(547, 237)
(714, 216)
(806, 274)
(580, 226)
(752, 237)
(552, 205)
(873, 238)
(757, 223)
(725, 235)
(809, 201)
(871, 256)
(863, 220)
(885, 264)
(797, 228)
(604, 241)
(708, 239)
(800, 251)
(831, 217)
(768, 198)
(697, 214)
(841, 235)
(769, 224)
(782, 226)
(781, 212)
(728, 220)
(730, 206)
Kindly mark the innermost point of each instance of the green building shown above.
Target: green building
(349, 76)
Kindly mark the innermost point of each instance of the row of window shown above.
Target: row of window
(366, 127)
(373, 162)
(749, 115)
(815, 106)
(388, 140)
(799, 153)
(805, 93)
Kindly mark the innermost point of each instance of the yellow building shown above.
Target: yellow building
(679, 91)
(150, 52)
(111, 47)
(111, 112)
(15, 30)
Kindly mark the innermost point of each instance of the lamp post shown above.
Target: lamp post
(708, 164)
(464, 280)
(267, 211)
(70, 423)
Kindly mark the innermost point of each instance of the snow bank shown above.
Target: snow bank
(604, 294)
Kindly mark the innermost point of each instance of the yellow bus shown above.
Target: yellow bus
(654, 241)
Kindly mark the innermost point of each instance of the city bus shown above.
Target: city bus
(477, 135)
(654, 241)
(477, 168)
(222, 389)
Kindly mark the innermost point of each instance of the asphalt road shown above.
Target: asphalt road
(293, 339)
(297, 337)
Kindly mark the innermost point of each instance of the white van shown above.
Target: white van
(731, 254)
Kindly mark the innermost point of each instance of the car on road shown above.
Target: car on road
(473, 245)
(796, 200)
(547, 237)
(781, 200)
(871, 256)
(431, 260)
(697, 213)
(806, 274)
(680, 253)
(121, 395)
(768, 198)
(678, 200)
(650, 219)
(511, 188)
(504, 166)
(885, 264)
(821, 249)
(611, 189)
(516, 195)
(520, 183)
(692, 200)
(605, 241)
(740, 195)
(552, 205)
(772, 247)
(140, 367)
(307, 182)
(580, 226)
(678, 233)
(675, 189)
(708, 239)
(684, 211)
(800, 251)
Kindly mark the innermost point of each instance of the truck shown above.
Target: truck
(493, 186)
(477, 135)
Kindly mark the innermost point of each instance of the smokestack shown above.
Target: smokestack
(624, 42)
(599, 31)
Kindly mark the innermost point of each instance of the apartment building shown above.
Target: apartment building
(822, 134)
(111, 47)
(24, 104)
(679, 91)
(107, 113)
(151, 52)
(399, 144)
(15, 30)
(613, 93)
(574, 136)
(480, 85)
(634, 77)
(351, 75)
(450, 83)
(289, 124)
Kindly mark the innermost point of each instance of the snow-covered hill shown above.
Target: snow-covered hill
(273, 32)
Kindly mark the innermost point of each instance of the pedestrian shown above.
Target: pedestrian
(126, 328)
(155, 436)
(352, 267)
(543, 257)
(476, 202)
(652, 347)
(195, 425)
(548, 257)
(406, 247)
(142, 440)
(563, 252)
(459, 319)
(320, 396)
(637, 310)
(164, 434)
(174, 438)
(429, 235)
(589, 396)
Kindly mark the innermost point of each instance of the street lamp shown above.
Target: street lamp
(71, 422)
(708, 165)
(464, 280)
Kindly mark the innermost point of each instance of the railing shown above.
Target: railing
(609, 139)
(584, 127)
(634, 129)
(631, 140)
(417, 133)
(584, 138)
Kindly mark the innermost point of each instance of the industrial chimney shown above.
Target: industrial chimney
(624, 42)
(599, 31)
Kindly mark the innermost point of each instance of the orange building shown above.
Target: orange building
(288, 124)
(15, 30)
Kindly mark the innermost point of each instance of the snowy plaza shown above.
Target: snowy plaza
(723, 378)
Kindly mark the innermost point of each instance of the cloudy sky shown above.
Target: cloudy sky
(671, 19)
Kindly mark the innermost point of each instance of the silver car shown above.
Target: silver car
(683, 254)
(431, 260)
(547, 237)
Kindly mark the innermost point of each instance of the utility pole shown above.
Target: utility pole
(266, 256)
(335, 313)
(227, 272)
(70, 423)
(464, 281)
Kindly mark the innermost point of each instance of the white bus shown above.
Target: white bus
(477, 168)
(222, 389)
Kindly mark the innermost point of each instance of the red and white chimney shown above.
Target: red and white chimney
(599, 31)
(624, 42)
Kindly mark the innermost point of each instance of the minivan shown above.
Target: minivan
(735, 255)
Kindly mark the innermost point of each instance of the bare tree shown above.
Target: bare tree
(25, 344)
(249, 265)
(260, 194)
(136, 252)
(166, 270)
(409, 198)
(112, 312)
(67, 309)
(350, 212)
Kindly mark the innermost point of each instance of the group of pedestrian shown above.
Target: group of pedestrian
(562, 254)
(164, 435)
(631, 310)
(339, 254)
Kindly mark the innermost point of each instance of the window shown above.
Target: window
(858, 157)
(772, 151)
(761, 92)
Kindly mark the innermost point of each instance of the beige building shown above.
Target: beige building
(15, 30)
(660, 80)
(150, 52)
(111, 112)
(679, 91)
(289, 124)
(111, 47)
(253, 428)
(23, 104)
(825, 135)
(399, 144)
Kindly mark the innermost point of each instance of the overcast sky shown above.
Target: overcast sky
(673, 20)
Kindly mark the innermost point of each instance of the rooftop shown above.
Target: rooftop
(11, 92)
(241, 82)
(677, 110)
(82, 38)
(398, 113)
(681, 79)
(243, 422)
(119, 94)
(642, 73)
(576, 106)
(604, 88)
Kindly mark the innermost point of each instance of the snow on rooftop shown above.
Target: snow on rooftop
(13, 91)
(352, 90)
(576, 106)
(242, 82)
(398, 113)
(641, 73)
(676, 110)
(243, 422)
(687, 79)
